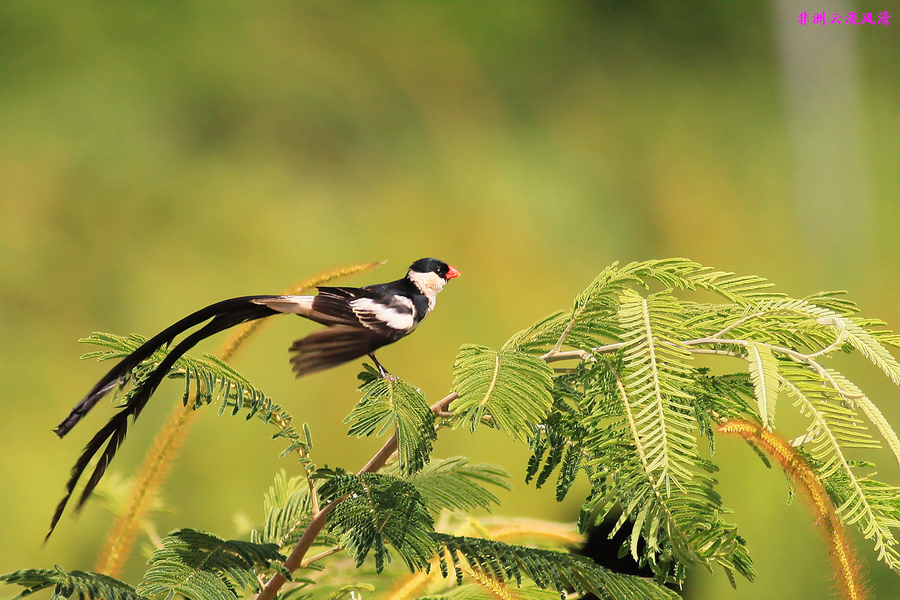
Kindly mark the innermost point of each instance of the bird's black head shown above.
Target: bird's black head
(433, 265)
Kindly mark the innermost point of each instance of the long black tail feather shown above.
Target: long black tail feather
(224, 315)
(120, 373)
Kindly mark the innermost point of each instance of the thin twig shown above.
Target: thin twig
(313, 495)
(837, 343)
(715, 339)
(308, 561)
(553, 356)
(737, 323)
(717, 352)
(799, 357)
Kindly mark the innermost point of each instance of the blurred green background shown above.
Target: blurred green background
(158, 156)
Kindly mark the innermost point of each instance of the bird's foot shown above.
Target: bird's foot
(382, 371)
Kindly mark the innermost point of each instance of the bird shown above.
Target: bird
(358, 322)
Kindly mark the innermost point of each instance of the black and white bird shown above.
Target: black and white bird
(359, 322)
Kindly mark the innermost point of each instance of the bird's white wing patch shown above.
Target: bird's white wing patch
(372, 313)
(295, 305)
(406, 302)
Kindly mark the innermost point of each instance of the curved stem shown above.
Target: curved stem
(847, 571)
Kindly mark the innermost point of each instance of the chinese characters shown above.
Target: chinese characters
(851, 18)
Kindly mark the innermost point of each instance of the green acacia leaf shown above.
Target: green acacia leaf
(378, 510)
(206, 380)
(548, 569)
(203, 566)
(389, 401)
(288, 508)
(456, 484)
(763, 368)
(71, 584)
(656, 381)
(511, 389)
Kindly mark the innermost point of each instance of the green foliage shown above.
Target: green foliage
(287, 508)
(455, 484)
(202, 566)
(559, 440)
(511, 390)
(629, 414)
(764, 375)
(654, 377)
(835, 426)
(349, 590)
(78, 584)
(548, 569)
(378, 510)
(628, 411)
(388, 401)
(472, 591)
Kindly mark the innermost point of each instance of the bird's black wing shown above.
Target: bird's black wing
(333, 346)
(377, 308)
(223, 315)
(333, 305)
(362, 320)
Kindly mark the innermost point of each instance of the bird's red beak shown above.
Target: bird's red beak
(451, 273)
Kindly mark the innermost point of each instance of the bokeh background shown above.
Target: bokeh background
(159, 156)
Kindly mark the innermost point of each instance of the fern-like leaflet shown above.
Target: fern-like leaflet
(206, 380)
(456, 484)
(377, 510)
(201, 566)
(389, 401)
(71, 584)
(549, 569)
(509, 390)
(646, 342)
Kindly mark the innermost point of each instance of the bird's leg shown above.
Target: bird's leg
(381, 370)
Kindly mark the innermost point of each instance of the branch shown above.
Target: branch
(308, 561)
(554, 355)
(808, 359)
(838, 341)
(296, 559)
(737, 323)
